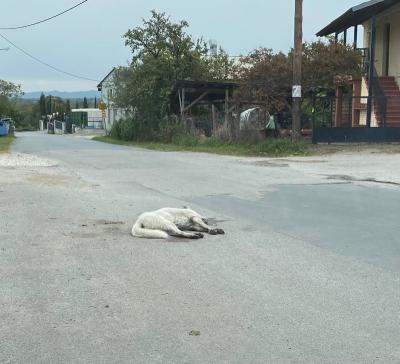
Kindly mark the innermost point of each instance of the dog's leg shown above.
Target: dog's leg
(200, 225)
(174, 231)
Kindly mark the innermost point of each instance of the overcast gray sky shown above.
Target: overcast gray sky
(88, 42)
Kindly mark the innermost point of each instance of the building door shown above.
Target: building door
(386, 50)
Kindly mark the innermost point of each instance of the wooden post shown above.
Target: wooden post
(226, 111)
(237, 122)
(338, 107)
(371, 69)
(214, 126)
(345, 37)
(355, 37)
(226, 105)
(183, 118)
(297, 63)
(356, 107)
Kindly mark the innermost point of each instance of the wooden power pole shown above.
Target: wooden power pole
(297, 61)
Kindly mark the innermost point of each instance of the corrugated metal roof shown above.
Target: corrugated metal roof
(357, 15)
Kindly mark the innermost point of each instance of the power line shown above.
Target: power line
(46, 64)
(44, 20)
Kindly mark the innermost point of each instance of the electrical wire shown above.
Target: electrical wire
(46, 64)
(44, 20)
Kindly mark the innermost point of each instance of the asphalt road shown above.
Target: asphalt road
(308, 272)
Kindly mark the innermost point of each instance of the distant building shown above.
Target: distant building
(87, 118)
(107, 88)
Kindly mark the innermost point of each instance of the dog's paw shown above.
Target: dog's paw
(217, 231)
(197, 236)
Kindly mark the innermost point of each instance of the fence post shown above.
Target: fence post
(214, 123)
(385, 100)
(371, 74)
(313, 116)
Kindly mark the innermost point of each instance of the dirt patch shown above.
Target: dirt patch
(99, 228)
(271, 164)
(49, 179)
(109, 222)
(386, 148)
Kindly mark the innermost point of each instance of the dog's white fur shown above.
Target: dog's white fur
(183, 223)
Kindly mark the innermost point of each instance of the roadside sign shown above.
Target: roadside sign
(296, 91)
(102, 105)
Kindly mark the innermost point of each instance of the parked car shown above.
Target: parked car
(4, 126)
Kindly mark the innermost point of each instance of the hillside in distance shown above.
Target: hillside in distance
(71, 95)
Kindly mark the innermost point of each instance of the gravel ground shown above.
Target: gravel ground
(24, 160)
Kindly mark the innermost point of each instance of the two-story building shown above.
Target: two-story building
(107, 88)
(375, 96)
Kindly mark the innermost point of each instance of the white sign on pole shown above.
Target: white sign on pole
(296, 91)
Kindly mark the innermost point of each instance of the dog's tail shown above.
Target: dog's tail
(140, 232)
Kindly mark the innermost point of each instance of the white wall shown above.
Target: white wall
(113, 113)
(392, 17)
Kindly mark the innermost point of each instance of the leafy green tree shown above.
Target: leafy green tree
(85, 103)
(77, 104)
(68, 107)
(42, 105)
(9, 89)
(267, 76)
(221, 67)
(6, 108)
(162, 53)
(26, 114)
(49, 104)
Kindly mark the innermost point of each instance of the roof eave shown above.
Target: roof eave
(327, 30)
(357, 15)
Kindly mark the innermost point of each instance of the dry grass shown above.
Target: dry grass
(267, 148)
(5, 143)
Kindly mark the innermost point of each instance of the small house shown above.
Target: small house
(374, 99)
(107, 88)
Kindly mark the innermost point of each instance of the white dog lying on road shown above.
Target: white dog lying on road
(182, 223)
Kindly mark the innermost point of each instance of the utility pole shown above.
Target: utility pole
(297, 61)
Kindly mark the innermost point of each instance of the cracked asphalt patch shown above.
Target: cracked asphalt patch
(354, 179)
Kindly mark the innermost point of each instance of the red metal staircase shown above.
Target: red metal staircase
(392, 93)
